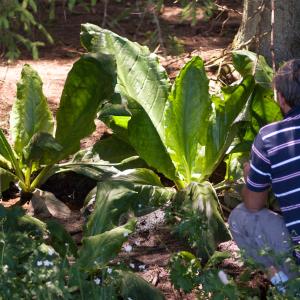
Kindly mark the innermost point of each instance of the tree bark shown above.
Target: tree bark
(255, 30)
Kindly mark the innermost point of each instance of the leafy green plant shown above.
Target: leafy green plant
(17, 22)
(35, 262)
(36, 145)
(190, 9)
(183, 132)
(261, 110)
(187, 273)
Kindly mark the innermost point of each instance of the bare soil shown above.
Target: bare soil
(208, 39)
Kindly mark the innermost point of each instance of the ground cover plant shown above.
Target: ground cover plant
(182, 133)
(40, 260)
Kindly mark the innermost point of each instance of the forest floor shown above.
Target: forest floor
(209, 39)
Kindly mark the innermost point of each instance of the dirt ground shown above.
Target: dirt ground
(207, 39)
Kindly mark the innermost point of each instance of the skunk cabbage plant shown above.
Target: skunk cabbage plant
(37, 144)
(179, 130)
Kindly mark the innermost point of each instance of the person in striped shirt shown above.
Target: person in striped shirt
(275, 163)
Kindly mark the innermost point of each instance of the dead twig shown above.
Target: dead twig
(104, 13)
(211, 63)
(226, 8)
(159, 32)
(223, 24)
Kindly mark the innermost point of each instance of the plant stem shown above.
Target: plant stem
(28, 175)
(222, 185)
(39, 178)
(179, 184)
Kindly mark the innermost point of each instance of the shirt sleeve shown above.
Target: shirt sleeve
(259, 177)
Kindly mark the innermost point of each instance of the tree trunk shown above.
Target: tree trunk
(255, 30)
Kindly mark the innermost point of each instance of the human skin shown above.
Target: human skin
(254, 201)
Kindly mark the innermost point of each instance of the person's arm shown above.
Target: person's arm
(254, 201)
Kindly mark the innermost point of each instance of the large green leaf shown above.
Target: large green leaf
(145, 139)
(94, 170)
(222, 127)
(42, 149)
(112, 200)
(99, 249)
(135, 287)
(202, 223)
(138, 190)
(186, 119)
(234, 165)
(263, 110)
(30, 113)
(5, 179)
(250, 63)
(89, 83)
(140, 76)
(151, 194)
(61, 240)
(5, 150)
(7, 156)
(144, 84)
(113, 149)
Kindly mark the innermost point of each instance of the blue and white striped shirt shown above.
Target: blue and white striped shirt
(275, 161)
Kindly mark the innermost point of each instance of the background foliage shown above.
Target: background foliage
(24, 23)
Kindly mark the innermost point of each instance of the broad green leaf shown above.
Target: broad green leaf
(113, 152)
(113, 149)
(234, 165)
(112, 200)
(137, 190)
(186, 118)
(202, 223)
(5, 150)
(135, 287)
(222, 126)
(139, 177)
(144, 85)
(30, 112)
(263, 110)
(61, 240)
(89, 83)
(97, 170)
(151, 194)
(140, 76)
(144, 138)
(15, 220)
(42, 149)
(249, 63)
(5, 179)
(9, 156)
(97, 250)
(110, 109)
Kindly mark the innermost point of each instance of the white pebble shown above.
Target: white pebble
(128, 248)
(131, 265)
(223, 277)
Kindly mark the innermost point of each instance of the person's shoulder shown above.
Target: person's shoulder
(272, 127)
